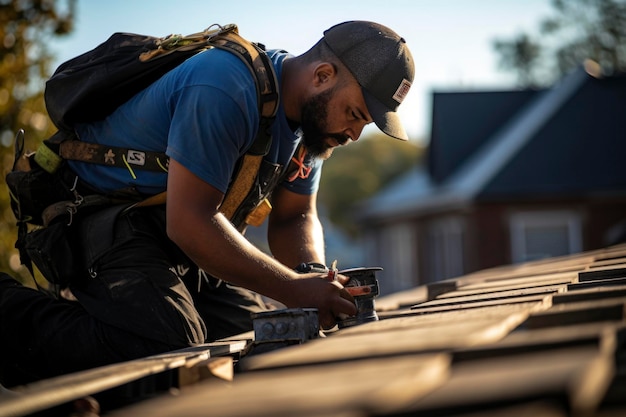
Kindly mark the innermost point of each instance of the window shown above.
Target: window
(398, 250)
(543, 234)
(445, 257)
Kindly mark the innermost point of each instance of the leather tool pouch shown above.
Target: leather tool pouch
(268, 177)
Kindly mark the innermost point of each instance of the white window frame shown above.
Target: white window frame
(446, 247)
(521, 221)
(399, 251)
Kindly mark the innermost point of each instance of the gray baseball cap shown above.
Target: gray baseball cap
(382, 64)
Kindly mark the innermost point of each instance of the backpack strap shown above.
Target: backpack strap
(267, 93)
(259, 63)
(130, 159)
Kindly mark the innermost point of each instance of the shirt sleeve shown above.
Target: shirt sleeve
(309, 185)
(214, 121)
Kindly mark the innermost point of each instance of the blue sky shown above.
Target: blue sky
(451, 40)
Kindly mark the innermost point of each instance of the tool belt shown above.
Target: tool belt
(42, 186)
(46, 195)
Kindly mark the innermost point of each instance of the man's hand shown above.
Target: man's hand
(315, 290)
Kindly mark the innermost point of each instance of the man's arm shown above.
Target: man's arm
(195, 224)
(295, 233)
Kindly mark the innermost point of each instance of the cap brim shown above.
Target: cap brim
(386, 120)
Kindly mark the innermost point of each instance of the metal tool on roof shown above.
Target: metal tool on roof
(363, 286)
(296, 325)
(276, 329)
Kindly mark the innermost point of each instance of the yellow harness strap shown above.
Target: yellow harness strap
(153, 200)
(241, 185)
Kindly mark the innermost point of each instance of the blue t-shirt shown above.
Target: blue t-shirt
(203, 114)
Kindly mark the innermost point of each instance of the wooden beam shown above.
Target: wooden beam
(411, 334)
(51, 392)
(356, 388)
(577, 313)
(577, 378)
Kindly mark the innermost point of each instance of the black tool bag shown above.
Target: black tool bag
(33, 189)
(45, 204)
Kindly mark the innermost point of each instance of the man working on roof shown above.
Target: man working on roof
(160, 278)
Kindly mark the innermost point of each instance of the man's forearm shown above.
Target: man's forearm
(221, 251)
(216, 247)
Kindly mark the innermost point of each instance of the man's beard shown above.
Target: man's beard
(314, 126)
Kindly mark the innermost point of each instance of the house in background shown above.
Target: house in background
(511, 176)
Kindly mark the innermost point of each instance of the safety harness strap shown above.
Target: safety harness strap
(114, 156)
(241, 185)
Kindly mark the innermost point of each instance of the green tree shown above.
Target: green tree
(579, 30)
(521, 55)
(361, 169)
(25, 28)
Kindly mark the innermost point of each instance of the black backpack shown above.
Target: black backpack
(91, 86)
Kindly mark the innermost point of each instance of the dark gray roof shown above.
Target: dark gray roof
(463, 121)
(567, 140)
(579, 150)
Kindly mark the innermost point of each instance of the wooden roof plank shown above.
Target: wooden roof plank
(603, 336)
(525, 409)
(607, 272)
(589, 294)
(580, 376)
(576, 313)
(413, 296)
(387, 338)
(539, 299)
(51, 392)
(499, 294)
(596, 283)
(506, 286)
(523, 280)
(359, 388)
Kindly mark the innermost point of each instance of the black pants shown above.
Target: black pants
(138, 295)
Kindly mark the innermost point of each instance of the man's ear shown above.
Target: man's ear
(324, 73)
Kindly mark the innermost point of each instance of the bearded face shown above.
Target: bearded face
(314, 125)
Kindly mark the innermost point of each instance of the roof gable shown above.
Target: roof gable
(579, 150)
(463, 121)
